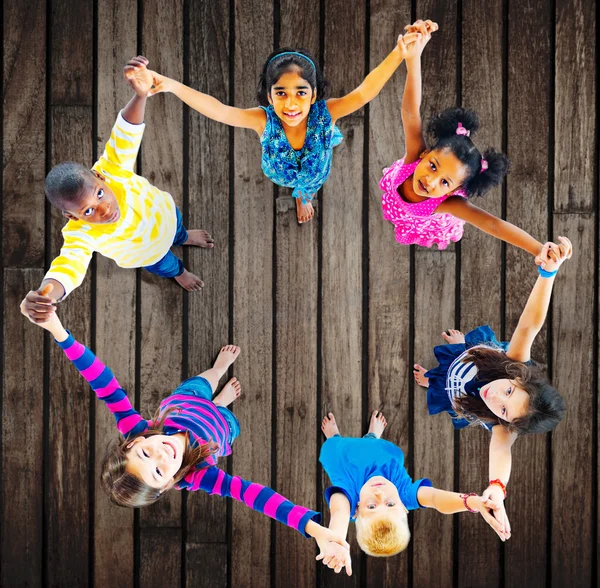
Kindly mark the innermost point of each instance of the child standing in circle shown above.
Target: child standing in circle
(426, 193)
(480, 380)
(180, 446)
(371, 487)
(295, 121)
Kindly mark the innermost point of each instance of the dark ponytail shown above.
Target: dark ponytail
(275, 67)
(442, 129)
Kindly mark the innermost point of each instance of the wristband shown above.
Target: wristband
(544, 273)
(498, 482)
(465, 497)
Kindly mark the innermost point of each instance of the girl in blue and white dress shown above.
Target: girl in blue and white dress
(295, 121)
(480, 380)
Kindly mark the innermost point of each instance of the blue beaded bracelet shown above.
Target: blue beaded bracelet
(546, 274)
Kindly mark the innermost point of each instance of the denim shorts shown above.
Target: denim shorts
(198, 386)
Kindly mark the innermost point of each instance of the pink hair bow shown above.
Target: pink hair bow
(484, 164)
(460, 130)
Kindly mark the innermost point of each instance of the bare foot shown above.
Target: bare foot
(377, 424)
(189, 281)
(453, 336)
(419, 374)
(226, 357)
(230, 392)
(304, 212)
(329, 426)
(200, 238)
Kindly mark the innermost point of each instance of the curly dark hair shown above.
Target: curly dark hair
(273, 70)
(442, 129)
(546, 405)
(64, 183)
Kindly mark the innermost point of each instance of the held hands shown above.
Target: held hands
(138, 76)
(493, 511)
(553, 255)
(420, 34)
(38, 306)
(334, 550)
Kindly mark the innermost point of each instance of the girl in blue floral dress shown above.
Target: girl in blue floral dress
(295, 122)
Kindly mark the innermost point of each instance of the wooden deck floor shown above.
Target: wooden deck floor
(330, 315)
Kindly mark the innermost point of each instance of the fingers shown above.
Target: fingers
(135, 63)
(495, 524)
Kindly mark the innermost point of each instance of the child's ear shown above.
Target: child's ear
(69, 215)
(269, 98)
(424, 153)
(99, 175)
(136, 440)
(314, 96)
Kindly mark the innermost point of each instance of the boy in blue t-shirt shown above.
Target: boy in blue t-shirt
(370, 486)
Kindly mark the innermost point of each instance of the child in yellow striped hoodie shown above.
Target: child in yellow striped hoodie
(114, 211)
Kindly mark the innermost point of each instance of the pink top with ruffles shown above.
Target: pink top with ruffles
(416, 222)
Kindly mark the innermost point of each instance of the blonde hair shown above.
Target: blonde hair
(383, 536)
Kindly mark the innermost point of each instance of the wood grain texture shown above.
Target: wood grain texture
(342, 246)
(296, 313)
(22, 437)
(389, 370)
(252, 299)
(24, 149)
(574, 106)
(158, 550)
(527, 202)
(115, 297)
(480, 276)
(208, 318)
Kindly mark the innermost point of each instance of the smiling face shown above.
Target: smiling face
(155, 460)
(505, 399)
(438, 173)
(291, 97)
(378, 497)
(95, 204)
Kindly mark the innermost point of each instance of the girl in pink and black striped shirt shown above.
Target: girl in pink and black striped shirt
(180, 446)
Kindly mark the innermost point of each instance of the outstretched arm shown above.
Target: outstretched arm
(452, 502)
(248, 118)
(536, 309)
(332, 554)
(501, 229)
(374, 82)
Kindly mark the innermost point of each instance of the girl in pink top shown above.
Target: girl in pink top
(425, 194)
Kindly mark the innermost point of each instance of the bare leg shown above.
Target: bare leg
(226, 357)
(304, 212)
(230, 392)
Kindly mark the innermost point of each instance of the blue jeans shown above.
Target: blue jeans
(170, 265)
(198, 386)
(365, 436)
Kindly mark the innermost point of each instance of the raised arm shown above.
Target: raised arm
(374, 82)
(248, 118)
(501, 229)
(536, 309)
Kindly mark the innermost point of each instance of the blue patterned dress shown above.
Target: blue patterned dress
(307, 169)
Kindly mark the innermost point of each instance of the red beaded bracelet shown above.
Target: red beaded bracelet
(498, 482)
(465, 498)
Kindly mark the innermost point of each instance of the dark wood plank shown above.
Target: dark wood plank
(342, 245)
(574, 106)
(115, 297)
(572, 368)
(389, 264)
(22, 438)
(433, 435)
(161, 299)
(208, 326)
(433, 440)
(23, 154)
(253, 299)
(158, 550)
(71, 139)
(525, 562)
(480, 304)
(296, 364)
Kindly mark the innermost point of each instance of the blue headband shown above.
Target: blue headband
(294, 53)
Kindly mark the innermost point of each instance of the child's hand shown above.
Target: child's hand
(138, 76)
(160, 84)
(553, 255)
(422, 30)
(38, 306)
(498, 519)
(336, 557)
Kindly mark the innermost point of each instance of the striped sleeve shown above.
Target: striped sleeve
(255, 496)
(70, 267)
(124, 144)
(106, 387)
